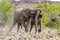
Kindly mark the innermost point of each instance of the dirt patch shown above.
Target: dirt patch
(45, 34)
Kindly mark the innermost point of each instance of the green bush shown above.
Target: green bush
(49, 11)
(6, 12)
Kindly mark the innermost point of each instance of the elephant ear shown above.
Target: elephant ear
(40, 16)
(28, 12)
(31, 12)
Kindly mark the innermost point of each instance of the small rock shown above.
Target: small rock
(10, 39)
(34, 36)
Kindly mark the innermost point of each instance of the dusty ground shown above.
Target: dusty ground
(45, 34)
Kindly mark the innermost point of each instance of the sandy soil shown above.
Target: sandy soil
(45, 34)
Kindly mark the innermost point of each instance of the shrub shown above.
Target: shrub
(49, 11)
(6, 12)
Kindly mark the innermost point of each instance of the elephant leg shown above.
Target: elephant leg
(35, 29)
(14, 22)
(18, 27)
(31, 26)
(39, 23)
(25, 26)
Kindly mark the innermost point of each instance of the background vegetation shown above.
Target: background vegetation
(50, 11)
(6, 12)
